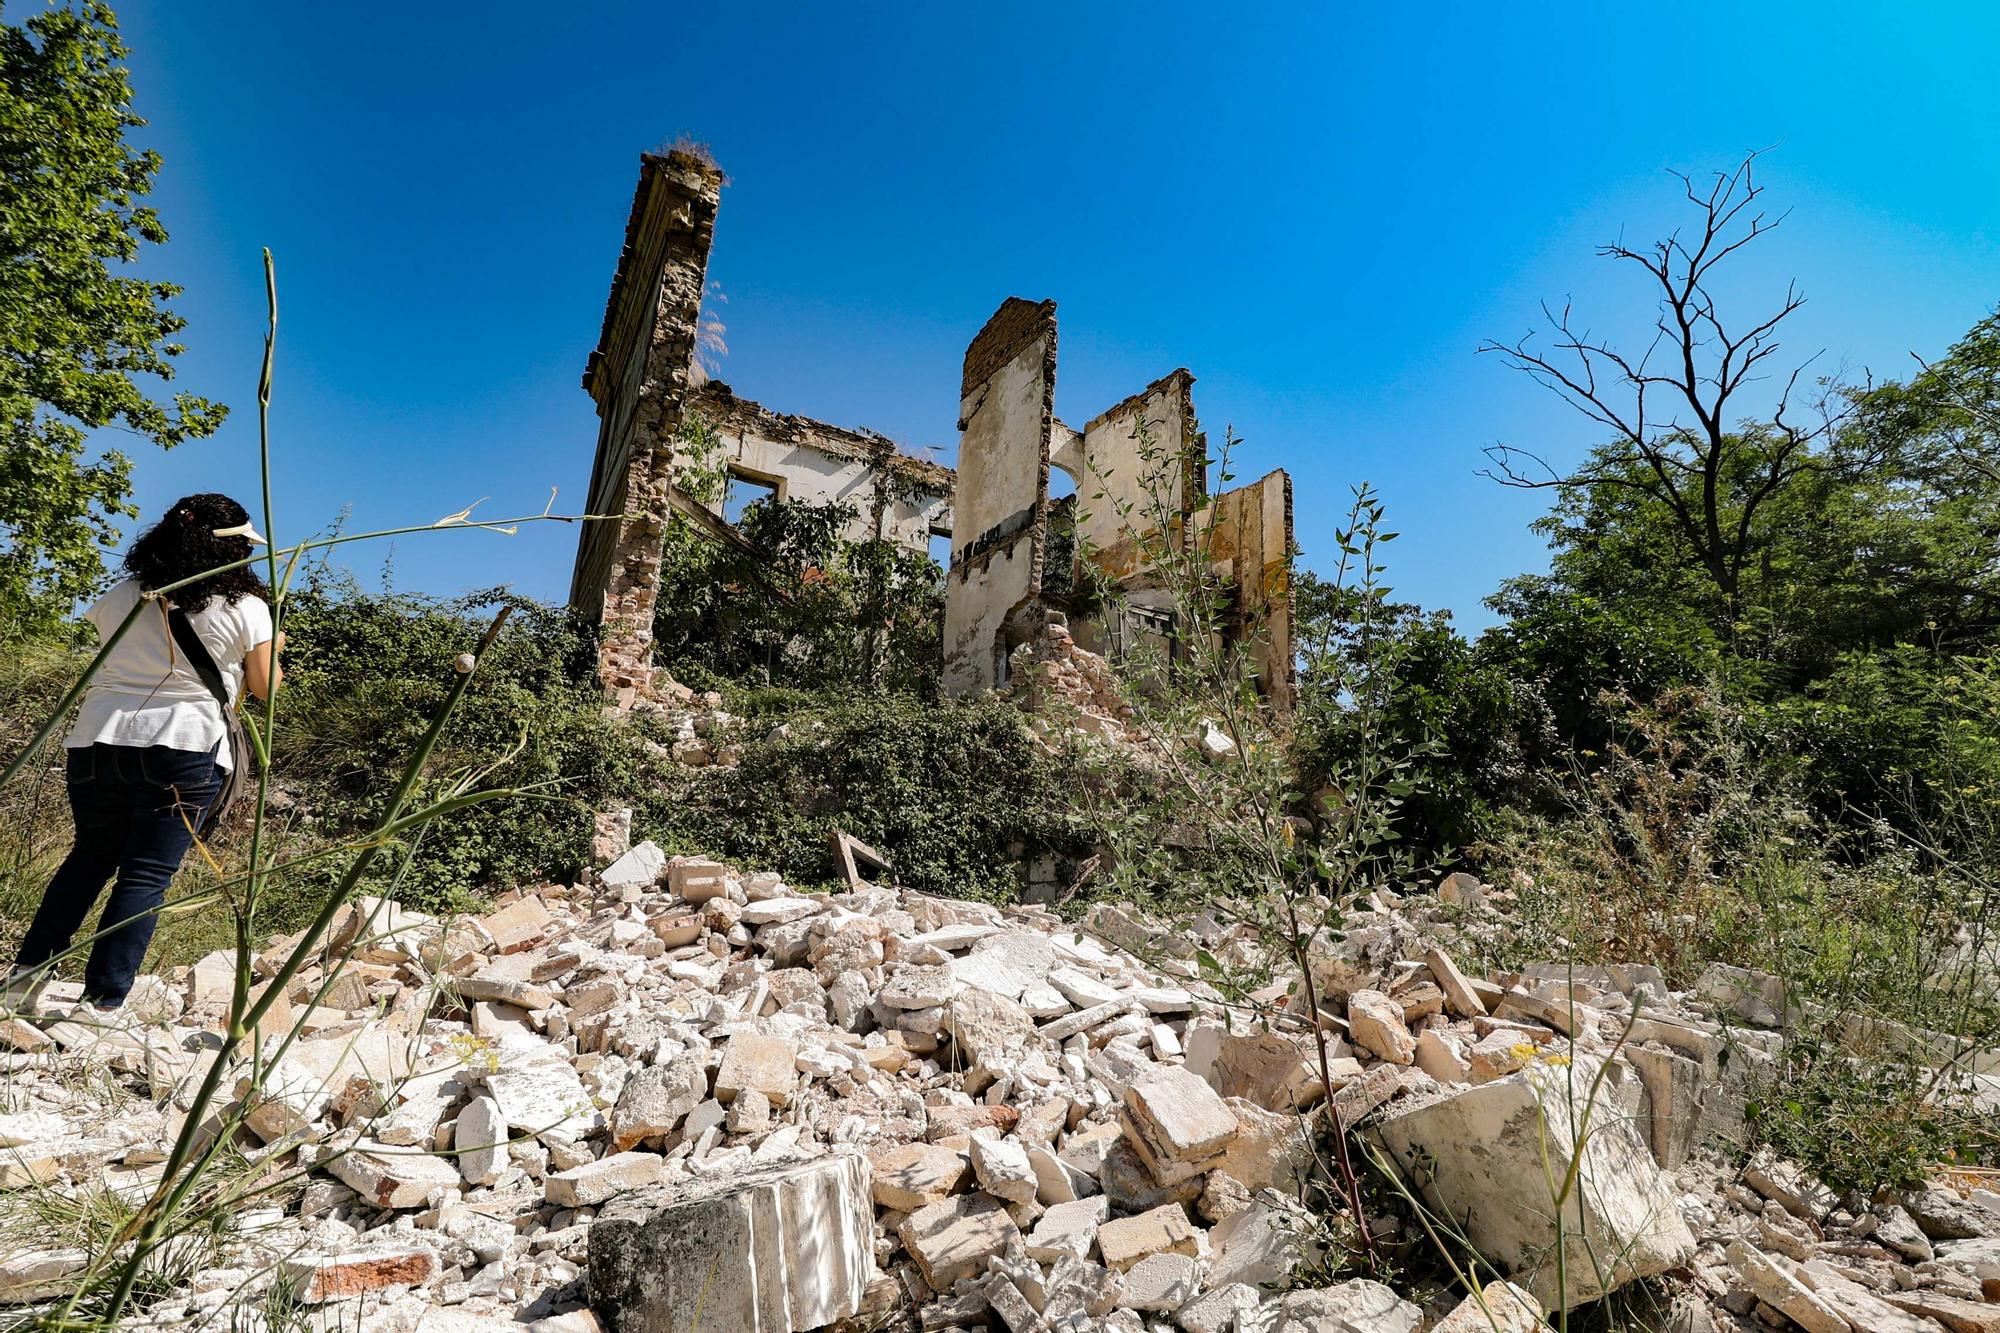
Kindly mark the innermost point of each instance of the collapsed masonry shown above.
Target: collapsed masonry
(1011, 572)
(679, 1096)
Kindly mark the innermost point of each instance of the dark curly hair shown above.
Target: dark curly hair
(183, 544)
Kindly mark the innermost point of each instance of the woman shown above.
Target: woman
(148, 751)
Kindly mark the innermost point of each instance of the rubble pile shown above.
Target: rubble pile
(684, 1097)
(701, 733)
(1067, 689)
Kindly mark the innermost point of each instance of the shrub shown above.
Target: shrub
(954, 793)
(34, 812)
(1903, 734)
(364, 673)
(1691, 844)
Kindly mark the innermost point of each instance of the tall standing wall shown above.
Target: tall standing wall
(1000, 511)
(640, 376)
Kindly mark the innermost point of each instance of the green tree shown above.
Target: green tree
(1478, 739)
(1872, 599)
(74, 335)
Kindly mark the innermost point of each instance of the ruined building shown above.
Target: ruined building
(1014, 556)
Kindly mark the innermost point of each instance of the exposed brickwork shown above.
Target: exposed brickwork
(640, 375)
(1015, 324)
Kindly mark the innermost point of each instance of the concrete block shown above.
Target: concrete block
(1161, 1283)
(656, 1099)
(639, 868)
(1479, 1154)
(698, 881)
(1376, 1023)
(915, 1175)
(1068, 1228)
(1671, 1113)
(480, 1140)
(1176, 1122)
(538, 1092)
(770, 1248)
(1162, 1230)
(595, 1182)
(518, 925)
(393, 1177)
(1459, 995)
(1438, 1055)
(1775, 1284)
(1004, 1170)
(756, 1061)
(953, 1239)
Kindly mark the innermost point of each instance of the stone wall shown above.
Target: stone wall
(640, 375)
(995, 507)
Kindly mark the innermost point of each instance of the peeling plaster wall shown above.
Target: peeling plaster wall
(1253, 533)
(1112, 461)
(1248, 534)
(1006, 423)
(811, 461)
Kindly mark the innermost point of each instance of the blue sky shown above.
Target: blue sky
(1321, 211)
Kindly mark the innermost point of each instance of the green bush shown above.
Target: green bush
(1904, 734)
(1479, 737)
(34, 809)
(954, 793)
(365, 672)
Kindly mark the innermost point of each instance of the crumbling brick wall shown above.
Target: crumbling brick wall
(640, 375)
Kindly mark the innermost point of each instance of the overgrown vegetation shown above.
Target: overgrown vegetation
(958, 795)
(801, 605)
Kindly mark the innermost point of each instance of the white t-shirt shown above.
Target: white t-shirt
(146, 693)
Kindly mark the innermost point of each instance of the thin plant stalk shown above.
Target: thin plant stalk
(147, 1222)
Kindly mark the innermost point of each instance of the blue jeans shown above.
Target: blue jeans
(135, 809)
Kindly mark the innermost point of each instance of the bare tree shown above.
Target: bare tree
(1673, 412)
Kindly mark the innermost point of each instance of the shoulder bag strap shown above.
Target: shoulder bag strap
(236, 779)
(198, 656)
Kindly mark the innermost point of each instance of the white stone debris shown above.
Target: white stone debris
(683, 1095)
